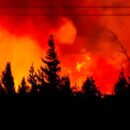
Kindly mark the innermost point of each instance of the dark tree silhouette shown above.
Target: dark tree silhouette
(65, 87)
(2, 90)
(52, 68)
(8, 80)
(23, 88)
(128, 88)
(78, 95)
(121, 86)
(33, 81)
(90, 89)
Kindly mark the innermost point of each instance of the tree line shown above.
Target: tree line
(47, 81)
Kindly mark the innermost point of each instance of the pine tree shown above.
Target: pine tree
(23, 88)
(128, 87)
(52, 68)
(2, 90)
(65, 87)
(8, 80)
(33, 81)
(90, 89)
(42, 85)
(122, 85)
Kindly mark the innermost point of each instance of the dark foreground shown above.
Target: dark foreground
(68, 103)
(62, 112)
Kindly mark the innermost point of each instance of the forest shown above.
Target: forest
(46, 83)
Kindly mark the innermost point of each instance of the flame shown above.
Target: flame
(66, 34)
(85, 45)
(79, 66)
(21, 52)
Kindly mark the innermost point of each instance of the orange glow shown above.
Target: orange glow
(67, 32)
(79, 66)
(85, 44)
(20, 51)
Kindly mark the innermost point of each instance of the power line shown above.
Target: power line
(64, 7)
(59, 6)
(56, 14)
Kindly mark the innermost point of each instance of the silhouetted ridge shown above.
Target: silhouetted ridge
(47, 83)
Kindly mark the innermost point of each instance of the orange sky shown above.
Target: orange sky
(85, 44)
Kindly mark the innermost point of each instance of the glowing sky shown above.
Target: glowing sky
(85, 44)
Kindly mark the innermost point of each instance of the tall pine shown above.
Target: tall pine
(33, 81)
(23, 88)
(8, 80)
(51, 68)
(121, 86)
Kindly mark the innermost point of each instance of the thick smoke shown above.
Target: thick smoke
(87, 40)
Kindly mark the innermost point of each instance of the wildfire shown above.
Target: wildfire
(67, 32)
(20, 51)
(84, 44)
(79, 66)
